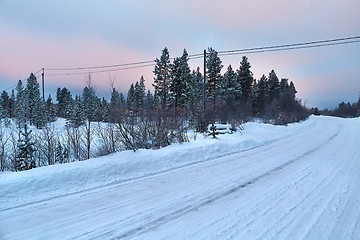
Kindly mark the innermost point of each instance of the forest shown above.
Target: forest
(182, 99)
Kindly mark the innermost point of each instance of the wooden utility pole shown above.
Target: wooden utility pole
(42, 78)
(204, 90)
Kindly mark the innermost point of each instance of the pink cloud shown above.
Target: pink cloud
(37, 52)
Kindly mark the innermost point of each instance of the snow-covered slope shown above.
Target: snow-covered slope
(268, 182)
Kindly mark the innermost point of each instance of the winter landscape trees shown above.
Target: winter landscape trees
(181, 100)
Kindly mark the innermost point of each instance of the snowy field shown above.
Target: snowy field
(267, 182)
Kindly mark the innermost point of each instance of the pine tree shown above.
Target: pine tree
(21, 104)
(104, 111)
(90, 103)
(4, 104)
(35, 105)
(139, 94)
(64, 99)
(162, 79)
(197, 99)
(262, 94)
(230, 88)
(116, 106)
(245, 79)
(50, 110)
(25, 151)
(274, 85)
(130, 100)
(12, 105)
(149, 101)
(76, 116)
(59, 153)
(213, 69)
(180, 81)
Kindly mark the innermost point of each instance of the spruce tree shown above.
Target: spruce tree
(213, 69)
(76, 116)
(50, 110)
(274, 85)
(116, 105)
(139, 94)
(90, 103)
(230, 88)
(64, 99)
(180, 81)
(59, 153)
(25, 150)
(197, 100)
(149, 101)
(162, 79)
(35, 104)
(245, 79)
(262, 94)
(130, 100)
(4, 104)
(21, 104)
(12, 105)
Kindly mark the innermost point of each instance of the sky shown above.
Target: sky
(38, 34)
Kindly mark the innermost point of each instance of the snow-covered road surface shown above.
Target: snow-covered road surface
(304, 185)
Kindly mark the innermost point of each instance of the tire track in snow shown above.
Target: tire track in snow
(189, 208)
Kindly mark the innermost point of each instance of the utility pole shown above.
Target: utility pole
(42, 78)
(204, 90)
(203, 123)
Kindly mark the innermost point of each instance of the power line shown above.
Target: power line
(99, 71)
(286, 48)
(142, 64)
(347, 39)
(97, 67)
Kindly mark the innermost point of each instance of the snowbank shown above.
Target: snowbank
(47, 182)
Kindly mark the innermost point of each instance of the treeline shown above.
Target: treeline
(344, 110)
(181, 100)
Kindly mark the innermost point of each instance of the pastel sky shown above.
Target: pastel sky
(39, 34)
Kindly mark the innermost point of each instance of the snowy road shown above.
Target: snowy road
(303, 186)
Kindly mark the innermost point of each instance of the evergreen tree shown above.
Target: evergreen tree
(90, 103)
(292, 89)
(12, 105)
(230, 88)
(162, 79)
(245, 79)
(35, 105)
(104, 111)
(25, 151)
(213, 69)
(64, 99)
(130, 100)
(4, 104)
(139, 94)
(197, 99)
(287, 99)
(274, 85)
(21, 104)
(284, 84)
(76, 116)
(50, 110)
(180, 81)
(116, 106)
(262, 94)
(149, 101)
(58, 153)
(91, 106)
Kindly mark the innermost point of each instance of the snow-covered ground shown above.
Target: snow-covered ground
(267, 182)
